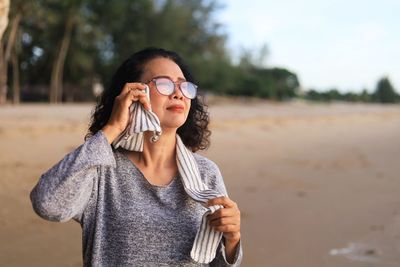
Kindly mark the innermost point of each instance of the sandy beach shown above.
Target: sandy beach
(317, 184)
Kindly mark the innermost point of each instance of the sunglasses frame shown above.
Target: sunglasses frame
(179, 83)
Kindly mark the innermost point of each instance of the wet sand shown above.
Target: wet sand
(317, 184)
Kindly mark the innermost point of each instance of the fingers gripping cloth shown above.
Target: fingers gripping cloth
(141, 120)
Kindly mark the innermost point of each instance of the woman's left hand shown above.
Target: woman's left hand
(226, 220)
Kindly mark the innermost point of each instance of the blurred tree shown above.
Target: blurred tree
(275, 83)
(6, 46)
(351, 97)
(384, 92)
(44, 42)
(9, 49)
(333, 94)
(313, 95)
(19, 8)
(286, 84)
(121, 27)
(254, 57)
(4, 10)
(71, 43)
(365, 96)
(254, 79)
(35, 47)
(68, 16)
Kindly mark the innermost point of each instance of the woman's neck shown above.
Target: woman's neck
(159, 154)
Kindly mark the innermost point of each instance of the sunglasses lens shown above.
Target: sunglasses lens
(167, 87)
(164, 86)
(189, 89)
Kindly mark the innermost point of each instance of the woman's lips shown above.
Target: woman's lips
(177, 108)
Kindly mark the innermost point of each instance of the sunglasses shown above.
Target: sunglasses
(166, 86)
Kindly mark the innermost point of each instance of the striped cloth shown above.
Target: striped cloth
(140, 120)
(206, 240)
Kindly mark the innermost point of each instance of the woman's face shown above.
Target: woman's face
(172, 110)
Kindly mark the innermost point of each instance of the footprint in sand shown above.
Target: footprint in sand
(251, 189)
(301, 194)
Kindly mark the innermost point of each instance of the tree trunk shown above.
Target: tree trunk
(3, 76)
(4, 10)
(56, 89)
(13, 35)
(5, 57)
(16, 85)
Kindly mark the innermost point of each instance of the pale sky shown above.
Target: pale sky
(346, 44)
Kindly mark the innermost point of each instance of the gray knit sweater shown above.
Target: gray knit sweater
(125, 220)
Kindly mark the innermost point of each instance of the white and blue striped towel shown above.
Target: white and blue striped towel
(207, 239)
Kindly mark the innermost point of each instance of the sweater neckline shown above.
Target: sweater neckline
(120, 151)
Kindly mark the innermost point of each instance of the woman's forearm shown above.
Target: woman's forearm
(230, 249)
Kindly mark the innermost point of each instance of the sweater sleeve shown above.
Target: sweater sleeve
(215, 181)
(64, 190)
(220, 259)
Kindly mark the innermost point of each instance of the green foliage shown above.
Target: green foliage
(335, 95)
(384, 92)
(275, 83)
(107, 32)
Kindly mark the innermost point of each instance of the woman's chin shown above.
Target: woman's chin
(172, 125)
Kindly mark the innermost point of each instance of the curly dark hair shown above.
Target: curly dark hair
(194, 132)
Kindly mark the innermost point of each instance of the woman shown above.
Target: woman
(134, 207)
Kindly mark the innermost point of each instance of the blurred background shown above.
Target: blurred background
(304, 104)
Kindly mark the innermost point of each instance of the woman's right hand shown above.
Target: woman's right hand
(119, 119)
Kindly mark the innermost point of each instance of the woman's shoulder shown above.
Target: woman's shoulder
(210, 173)
(205, 164)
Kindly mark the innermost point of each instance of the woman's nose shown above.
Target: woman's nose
(177, 94)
